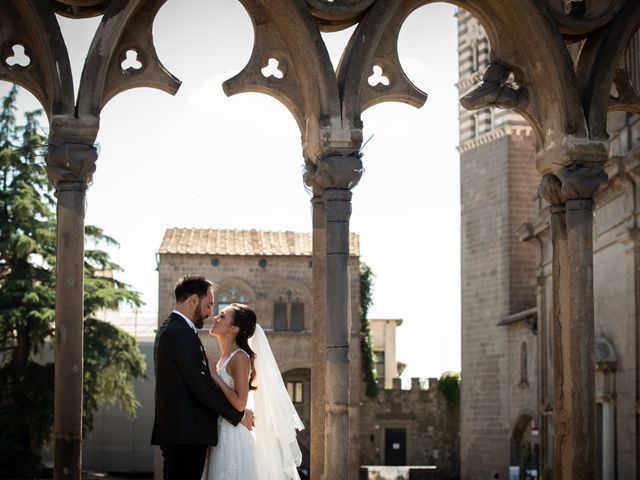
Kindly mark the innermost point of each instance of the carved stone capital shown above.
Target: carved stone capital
(580, 181)
(336, 170)
(70, 166)
(551, 190)
(495, 90)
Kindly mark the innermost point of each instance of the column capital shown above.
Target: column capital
(336, 170)
(70, 166)
(551, 190)
(71, 157)
(581, 182)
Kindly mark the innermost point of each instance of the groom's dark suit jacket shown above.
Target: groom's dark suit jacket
(187, 399)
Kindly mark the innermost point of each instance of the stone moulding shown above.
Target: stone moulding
(506, 130)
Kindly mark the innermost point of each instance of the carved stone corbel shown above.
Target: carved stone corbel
(495, 91)
(627, 98)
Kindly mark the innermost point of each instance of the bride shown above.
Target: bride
(248, 375)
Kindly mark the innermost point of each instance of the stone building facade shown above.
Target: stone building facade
(383, 339)
(507, 333)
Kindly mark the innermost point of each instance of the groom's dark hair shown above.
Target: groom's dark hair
(190, 284)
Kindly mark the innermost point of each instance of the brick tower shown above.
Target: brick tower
(498, 183)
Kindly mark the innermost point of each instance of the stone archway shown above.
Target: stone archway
(525, 448)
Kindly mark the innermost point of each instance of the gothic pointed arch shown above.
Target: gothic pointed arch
(124, 32)
(45, 70)
(381, 27)
(544, 78)
(524, 449)
(603, 62)
(286, 31)
(291, 302)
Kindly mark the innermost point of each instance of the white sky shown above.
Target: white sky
(203, 160)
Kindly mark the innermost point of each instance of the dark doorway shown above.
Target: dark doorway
(395, 447)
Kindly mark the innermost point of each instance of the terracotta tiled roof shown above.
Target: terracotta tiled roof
(203, 241)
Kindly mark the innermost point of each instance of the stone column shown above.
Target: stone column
(574, 414)
(318, 336)
(608, 441)
(70, 165)
(336, 173)
(551, 190)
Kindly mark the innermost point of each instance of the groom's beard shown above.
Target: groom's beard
(198, 318)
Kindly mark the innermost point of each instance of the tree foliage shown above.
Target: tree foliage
(368, 356)
(449, 386)
(112, 359)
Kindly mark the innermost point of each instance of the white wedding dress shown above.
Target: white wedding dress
(270, 451)
(235, 456)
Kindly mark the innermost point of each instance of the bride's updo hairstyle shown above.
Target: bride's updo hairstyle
(245, 319)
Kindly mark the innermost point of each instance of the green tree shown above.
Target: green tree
(449, 386)
(368, 356)
(27, 305)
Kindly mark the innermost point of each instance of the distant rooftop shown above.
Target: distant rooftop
(398, 321)
(204, 241)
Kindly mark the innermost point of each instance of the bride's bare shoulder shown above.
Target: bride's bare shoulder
(240, 360)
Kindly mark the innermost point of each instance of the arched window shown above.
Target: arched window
(229, 294)
(475, 125)
(524, 374)
(288, 311)
(475, 56)
(490, 119)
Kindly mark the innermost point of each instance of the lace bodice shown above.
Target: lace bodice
(222, 369)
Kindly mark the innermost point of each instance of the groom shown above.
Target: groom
(188, 401)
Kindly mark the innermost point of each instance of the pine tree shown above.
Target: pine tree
(112, 359)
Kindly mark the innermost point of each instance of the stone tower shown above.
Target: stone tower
(498, 182)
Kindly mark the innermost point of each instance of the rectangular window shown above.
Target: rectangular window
(221, 306)
(297, 316)
(280, 316)
(295, 391)
(380, 368)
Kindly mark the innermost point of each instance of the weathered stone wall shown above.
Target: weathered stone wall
(431, 423)
(498, 181)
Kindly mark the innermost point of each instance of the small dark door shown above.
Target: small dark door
(395, 447)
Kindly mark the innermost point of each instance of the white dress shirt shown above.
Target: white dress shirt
(188, 320)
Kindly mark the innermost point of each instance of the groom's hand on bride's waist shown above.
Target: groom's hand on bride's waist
(248, 419)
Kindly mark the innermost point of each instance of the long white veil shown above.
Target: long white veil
(276, 417)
